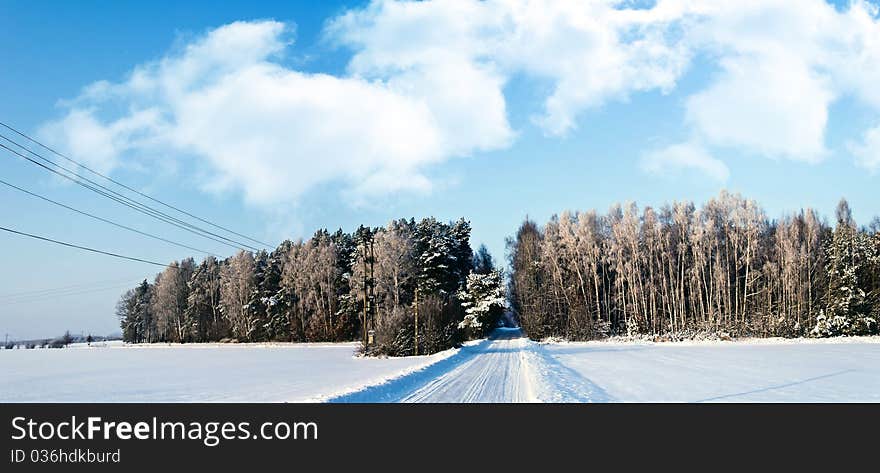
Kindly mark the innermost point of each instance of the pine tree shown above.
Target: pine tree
(274, 294)
(132, 331)
(483, 263)
(483, 299)
(263, 296)
(134, 310)
(847, 311)
(203, 314)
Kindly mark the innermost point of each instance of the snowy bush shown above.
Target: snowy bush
(439, 317)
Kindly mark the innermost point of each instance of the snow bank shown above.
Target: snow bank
(623, 340)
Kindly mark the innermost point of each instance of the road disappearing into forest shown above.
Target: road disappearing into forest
(506, 367)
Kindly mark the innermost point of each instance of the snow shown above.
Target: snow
(770, 370)
(102, 344)
(504, 368)
(509, 368)
(194, 373)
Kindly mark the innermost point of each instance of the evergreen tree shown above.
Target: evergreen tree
(483, 299)
(132, 329)
(482, 261)
(203, 313)
(263, 296)
(847, 311)
(135, 314)
(274, 300)
(462, 253)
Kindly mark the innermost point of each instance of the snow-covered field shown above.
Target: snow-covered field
(504, 368)
(832, 370)
(193, 373)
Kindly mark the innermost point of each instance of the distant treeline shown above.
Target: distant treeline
(59, 342)
(679, 271)
(313, 290)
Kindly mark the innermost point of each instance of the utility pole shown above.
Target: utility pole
(372, 282)
(417, 320)
(369, 286)
(366, 299)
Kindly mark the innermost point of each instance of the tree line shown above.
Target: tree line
(418, 286)
(679, 271)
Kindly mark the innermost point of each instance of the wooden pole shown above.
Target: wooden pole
(366, 297)
(372, 284)
(417, 321)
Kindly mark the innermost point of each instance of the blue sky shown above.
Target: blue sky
(488, 111)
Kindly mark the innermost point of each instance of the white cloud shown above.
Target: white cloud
(772, 106)
(684, 156)
(783, 63)
(590, 51)
(98, 144)
(867, 152)
(272, 132)
(425, 83)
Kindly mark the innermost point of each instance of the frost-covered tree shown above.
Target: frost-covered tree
(723, 268)
(237, 284)
(203, 303)
(483, 299)
(528, 285)
(320, 290)
(394, 268)
(170, 301)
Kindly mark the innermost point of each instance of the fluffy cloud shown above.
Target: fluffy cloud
(781, 65)
(684, 156)
(425, 83)
(270, 131)
(868, 151)
(590, 52)
(773, 107)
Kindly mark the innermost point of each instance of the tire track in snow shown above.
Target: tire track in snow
(504, 368)
(495, 375)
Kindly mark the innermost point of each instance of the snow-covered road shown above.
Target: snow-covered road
(498, 373)
(507, 367)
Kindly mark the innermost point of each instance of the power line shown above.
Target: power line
(73, 287)
(78, 163)
(85, 248)
(54, 295)
(107, 253)
(126, 201)
(122, 199)
(156, 237)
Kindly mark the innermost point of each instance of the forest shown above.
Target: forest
(723, 270)
(417, 286)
